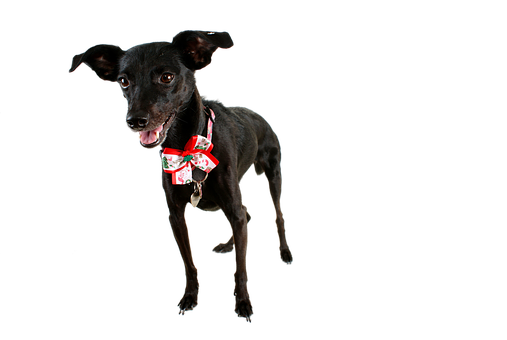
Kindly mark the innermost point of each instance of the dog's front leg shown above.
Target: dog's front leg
(237, 215)
(179, 227)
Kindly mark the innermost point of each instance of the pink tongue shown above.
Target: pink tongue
(149, 137)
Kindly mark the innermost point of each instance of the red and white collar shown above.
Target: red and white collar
(196, 154)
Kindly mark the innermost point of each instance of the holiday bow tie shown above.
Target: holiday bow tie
(196, 154)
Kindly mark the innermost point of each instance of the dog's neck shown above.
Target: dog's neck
(191, 121)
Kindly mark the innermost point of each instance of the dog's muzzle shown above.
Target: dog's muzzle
(149, 138)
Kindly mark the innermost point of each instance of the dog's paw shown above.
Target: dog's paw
(223, 248)
(286, 256)
(244, 309)
(188, 302)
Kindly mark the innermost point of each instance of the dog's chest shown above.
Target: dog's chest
(207, 205)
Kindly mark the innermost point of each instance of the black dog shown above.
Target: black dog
(165, 107)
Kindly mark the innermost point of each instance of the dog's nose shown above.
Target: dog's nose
(137, 122)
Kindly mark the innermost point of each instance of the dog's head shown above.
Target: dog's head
(157, 78)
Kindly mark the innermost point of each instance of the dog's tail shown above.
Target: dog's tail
(258, 168)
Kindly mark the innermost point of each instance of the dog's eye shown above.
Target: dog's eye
(167, 78)
(124, 82)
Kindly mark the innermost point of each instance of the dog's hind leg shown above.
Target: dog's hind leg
(227, 247)
(268, 159)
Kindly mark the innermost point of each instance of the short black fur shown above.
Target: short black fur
(159, 84)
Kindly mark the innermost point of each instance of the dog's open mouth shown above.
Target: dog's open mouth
(152, 138)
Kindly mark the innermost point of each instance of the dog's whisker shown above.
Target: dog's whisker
(180, 119)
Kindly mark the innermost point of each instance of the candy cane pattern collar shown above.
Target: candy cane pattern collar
(196, 154)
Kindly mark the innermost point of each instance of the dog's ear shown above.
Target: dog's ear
(103, 59)
(198, 46)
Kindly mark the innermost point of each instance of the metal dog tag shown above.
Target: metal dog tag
(196, 195)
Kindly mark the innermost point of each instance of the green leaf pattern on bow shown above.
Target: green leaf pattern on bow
(202, 145)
